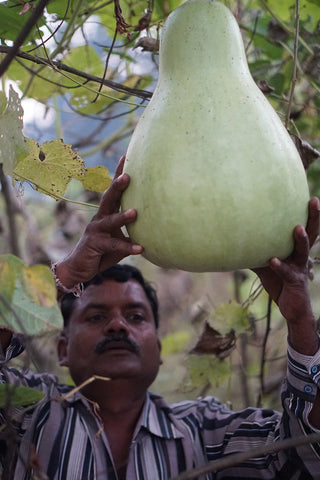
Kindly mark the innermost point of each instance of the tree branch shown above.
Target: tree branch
(32, 20)
(61, 66)
(237, 458)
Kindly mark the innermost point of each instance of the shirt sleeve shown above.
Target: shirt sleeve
(17, 346)
(302, 385)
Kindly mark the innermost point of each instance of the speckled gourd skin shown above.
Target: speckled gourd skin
(215, 178)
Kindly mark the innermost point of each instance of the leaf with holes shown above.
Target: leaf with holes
(50, 167)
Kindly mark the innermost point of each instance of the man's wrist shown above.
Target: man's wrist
(63, 284)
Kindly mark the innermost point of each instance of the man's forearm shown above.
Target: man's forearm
(303, 335)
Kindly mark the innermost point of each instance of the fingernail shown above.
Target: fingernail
(137, 248)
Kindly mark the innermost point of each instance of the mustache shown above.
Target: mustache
(104, 344)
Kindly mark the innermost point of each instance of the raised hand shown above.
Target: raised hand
(287, 282)
(103, 243)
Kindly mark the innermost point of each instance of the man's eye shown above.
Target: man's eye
(135, 317)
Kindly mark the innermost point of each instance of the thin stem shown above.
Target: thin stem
(63, 67)
(295, 60)
(264, 345)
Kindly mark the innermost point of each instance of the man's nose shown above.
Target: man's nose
(116, 323)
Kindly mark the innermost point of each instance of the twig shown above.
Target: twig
(32, 20)
(237, 458)
(63, 67)
(106, 65)
(264, 345)
(295, 60)
(82, 385)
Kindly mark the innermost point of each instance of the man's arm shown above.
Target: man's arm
(287, 284)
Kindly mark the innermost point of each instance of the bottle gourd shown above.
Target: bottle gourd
(215, 177)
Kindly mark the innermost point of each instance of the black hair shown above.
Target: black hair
(120, 273)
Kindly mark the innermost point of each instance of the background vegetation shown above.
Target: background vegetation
(83, 71)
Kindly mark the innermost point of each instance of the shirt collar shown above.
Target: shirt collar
(157, 417)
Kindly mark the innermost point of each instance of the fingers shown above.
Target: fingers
(300, 253)
(297, 263)
(313, 223)
(111, 224)
(110, 201)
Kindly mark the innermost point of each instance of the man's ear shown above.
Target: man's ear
(62, 348)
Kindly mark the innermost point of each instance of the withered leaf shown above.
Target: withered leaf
(213, 342)
(307, 153)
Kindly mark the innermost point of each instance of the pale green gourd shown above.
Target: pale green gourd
(215, 178)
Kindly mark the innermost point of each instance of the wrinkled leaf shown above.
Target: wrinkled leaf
(212, 342)
(12, 141)
(18, 395)
(307, 153)
(50, 167)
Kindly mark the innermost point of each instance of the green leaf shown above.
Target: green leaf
(231, 315)
(27, 297)
(12, 141)
(12, 20)
(63, 9)
(205, 369)
(18, 395)
(286, 11)
(50, 168)
(85, 58)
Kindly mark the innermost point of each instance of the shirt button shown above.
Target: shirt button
(308, 389)
(315, 369)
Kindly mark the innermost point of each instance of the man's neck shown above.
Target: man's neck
(116, 398)
(118, 407)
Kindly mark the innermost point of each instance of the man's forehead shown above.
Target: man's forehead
(111, 292)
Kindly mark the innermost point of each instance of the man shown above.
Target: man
(111, 427)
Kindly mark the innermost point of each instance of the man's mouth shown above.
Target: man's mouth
(116, 343)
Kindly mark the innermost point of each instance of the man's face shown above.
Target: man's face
(112, 334)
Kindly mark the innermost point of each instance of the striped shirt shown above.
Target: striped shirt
(63, 439)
